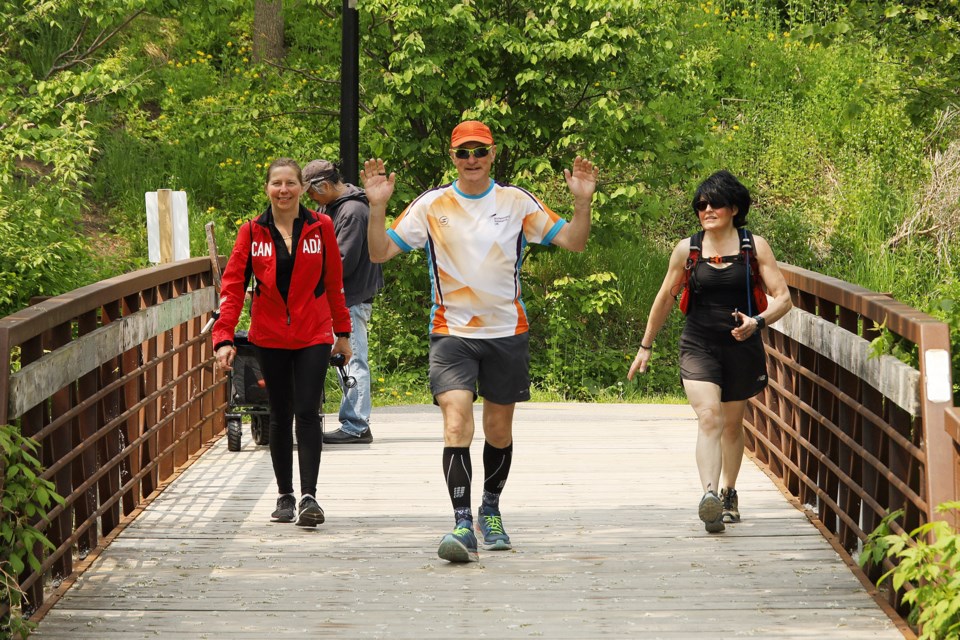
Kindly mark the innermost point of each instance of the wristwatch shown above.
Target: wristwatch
(761, 322)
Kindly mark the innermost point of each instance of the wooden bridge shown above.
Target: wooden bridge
(165, 533)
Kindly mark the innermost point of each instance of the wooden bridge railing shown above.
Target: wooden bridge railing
(116, 382)
(854, 436)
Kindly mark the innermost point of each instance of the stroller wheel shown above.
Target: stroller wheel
(234, 433)
(260, 429)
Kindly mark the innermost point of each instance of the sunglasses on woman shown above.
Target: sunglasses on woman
(703, 204)
(463, 154)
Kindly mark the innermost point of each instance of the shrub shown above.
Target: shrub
(928, 558)
(25, 498)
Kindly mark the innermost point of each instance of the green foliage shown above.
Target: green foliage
(922, 37)
(578, 307)
(928, 559)
(827, 111)
(57, 71)
(889, 343)
(41, 253)
(25, 498)
(401, 316)
(551, 79)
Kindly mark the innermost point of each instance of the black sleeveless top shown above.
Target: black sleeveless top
(716, 293)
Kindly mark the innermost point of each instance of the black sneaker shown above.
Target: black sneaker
(731, 505)
(711, 512)
(310, 513)
(342, 437)
(286, 504)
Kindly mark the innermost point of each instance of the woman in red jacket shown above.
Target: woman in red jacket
(298, 306)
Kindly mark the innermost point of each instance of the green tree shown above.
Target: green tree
(551, 79)
(61, 61)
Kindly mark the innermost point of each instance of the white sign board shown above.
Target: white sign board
(168, 228)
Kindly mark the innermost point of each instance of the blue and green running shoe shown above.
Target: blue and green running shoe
(459, 545)
(490, 526)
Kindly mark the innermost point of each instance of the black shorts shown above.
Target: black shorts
(497, 368)
(738, 368)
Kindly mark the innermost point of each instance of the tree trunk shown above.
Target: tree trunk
(268, 30)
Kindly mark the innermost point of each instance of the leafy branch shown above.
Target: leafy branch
(929, 560)
(25, 498)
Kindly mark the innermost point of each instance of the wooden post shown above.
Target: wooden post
(214, 255)
(168, 226)
(935, 395)
(165, 217)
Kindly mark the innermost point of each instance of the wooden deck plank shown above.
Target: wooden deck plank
(601, 507)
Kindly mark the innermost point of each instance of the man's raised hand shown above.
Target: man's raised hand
(582, 181)
(376, 183)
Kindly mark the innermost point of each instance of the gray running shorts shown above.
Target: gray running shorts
(498, 369)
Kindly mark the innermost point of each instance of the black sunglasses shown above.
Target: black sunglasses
(703, 204)
(463, 154)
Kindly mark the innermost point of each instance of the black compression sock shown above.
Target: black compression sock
(458, 470)
(496, 468)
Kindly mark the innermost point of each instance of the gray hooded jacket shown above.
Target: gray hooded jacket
(351, 213)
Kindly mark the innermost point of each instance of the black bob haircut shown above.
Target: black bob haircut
(722, 189)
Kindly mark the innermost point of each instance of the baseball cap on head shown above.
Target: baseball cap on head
(470, 131)
(318, 171)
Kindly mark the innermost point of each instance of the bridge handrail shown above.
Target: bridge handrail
(850, 450)
(116, 382)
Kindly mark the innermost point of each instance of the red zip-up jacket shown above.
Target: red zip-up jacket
(301, 320)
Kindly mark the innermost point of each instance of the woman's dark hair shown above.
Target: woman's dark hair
(722, 189)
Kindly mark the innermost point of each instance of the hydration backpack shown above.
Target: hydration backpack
(754, 282)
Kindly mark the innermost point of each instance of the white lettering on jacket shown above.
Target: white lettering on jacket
(258, 249)
(312, 245)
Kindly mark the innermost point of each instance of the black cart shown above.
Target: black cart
(248, 396)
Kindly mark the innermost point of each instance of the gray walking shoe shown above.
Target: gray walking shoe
(711, 512)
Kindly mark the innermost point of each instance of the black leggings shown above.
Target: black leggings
(294, 379)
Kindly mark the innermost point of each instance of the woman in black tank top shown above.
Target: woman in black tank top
(722, 361)
(721, 290)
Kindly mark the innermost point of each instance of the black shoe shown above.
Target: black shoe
(342, 437)
(310, 513)
(286, 504)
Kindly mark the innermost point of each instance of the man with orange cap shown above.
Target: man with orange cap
(474, 231)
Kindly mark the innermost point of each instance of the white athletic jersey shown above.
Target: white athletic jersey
(475, 249)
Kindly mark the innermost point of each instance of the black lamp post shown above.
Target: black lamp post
(350, 94)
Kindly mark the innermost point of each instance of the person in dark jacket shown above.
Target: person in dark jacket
(298, 306)
(347, 205)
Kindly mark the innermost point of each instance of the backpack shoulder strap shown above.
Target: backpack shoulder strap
(696, 247)
(747, 247)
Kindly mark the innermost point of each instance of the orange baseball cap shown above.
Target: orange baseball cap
(470, 131)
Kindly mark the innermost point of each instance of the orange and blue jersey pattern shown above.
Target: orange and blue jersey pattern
(475, 250)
